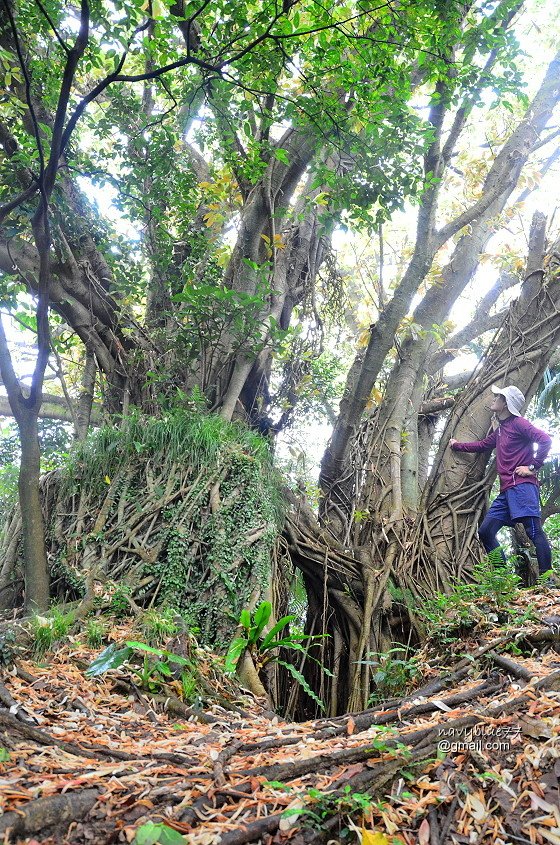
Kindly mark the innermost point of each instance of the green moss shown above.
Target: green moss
(212, 575)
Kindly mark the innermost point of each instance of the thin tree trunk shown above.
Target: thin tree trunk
(33, 529)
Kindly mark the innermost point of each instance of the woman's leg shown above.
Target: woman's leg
(488, 530)
(535, 533)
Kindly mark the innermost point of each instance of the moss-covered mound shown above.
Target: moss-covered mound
(182, 510)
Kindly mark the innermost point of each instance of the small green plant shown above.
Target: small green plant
(48, 630)
(545, 578)
(395, 673)
(95, 633)
(495, 578)
(7, 647)
(154, 671)
(264, 649)
(158, 834)
(158, 625)
(519, 616)
(493, 581)
(189, 686)
(321, 806)
(120, 604)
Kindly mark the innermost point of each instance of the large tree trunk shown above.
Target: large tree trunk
(337, 471)
(424, 545)
(456, 495)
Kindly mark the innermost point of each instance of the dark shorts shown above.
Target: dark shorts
(515, 503)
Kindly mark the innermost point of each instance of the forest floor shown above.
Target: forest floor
(471, 756)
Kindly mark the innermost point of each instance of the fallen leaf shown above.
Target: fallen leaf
(424, 833)
(538, 803)
(441, 705)
(291, 814)
(352, 770)
(371, 837)
(477, 808)
(553, 838)
(535, 728)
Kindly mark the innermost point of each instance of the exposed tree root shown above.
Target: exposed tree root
(15, 709)
(12, 723)
(225, 790)
(151, 508)
(510, 666)
(252, 832)
(55, 812)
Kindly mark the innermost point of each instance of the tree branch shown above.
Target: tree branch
(516, 149)
(8, 374)
(470, 101)
(52, 408)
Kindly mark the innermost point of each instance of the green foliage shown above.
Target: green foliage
(54, 437)
(265, 649)
(65, 580)
(8, 650)
(496, 579)
(548, 393)
(493, 580)
(212, 553)
(552, 526)
(151, 667)
(208, 311)
(158, 625)
(190, 686)
(158, 834)
(8, 489)
(321, 806)
(120, 604)
(394, 674)
(176, 435)
(253, 626)
(110, 658)
(48, 630)
(95, 633)
(309, 375)
(297, 676)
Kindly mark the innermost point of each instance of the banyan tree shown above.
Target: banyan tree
(172, 177)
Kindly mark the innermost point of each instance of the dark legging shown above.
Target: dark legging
(532, 524)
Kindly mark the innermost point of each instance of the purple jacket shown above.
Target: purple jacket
(514, 441)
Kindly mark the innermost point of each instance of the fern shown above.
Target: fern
(302, 682)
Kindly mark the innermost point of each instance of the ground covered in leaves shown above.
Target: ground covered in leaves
(471, 756)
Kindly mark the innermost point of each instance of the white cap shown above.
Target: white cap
(513, 396)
